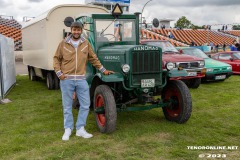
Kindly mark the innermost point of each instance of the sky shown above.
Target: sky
(199, 12)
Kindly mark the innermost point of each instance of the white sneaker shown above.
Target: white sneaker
(83, 133)
(67, 134)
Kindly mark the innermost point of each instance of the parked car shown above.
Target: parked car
(232, 58)
(215, 70)
(193, 65)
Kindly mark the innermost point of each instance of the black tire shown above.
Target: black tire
(56, 81)
(194, 83)
(106, 121)
(49, 81)
(180, 107)
(32, 75)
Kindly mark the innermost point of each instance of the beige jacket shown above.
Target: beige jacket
(72, 61)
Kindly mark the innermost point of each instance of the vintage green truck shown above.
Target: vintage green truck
(139, 79)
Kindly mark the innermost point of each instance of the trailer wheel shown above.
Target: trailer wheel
(194, 83)
(50, 81)
(56, 81)
(104, 100)
(177, 94)
(32, 75)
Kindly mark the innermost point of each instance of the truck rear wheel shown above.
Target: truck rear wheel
(50, 82)
(32, 75)
(56, 81)
(104, 100)
(194, 83)
(177, 94)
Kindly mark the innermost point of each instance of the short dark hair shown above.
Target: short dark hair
(76, 25)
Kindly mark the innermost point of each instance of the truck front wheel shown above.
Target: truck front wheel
(105, 109)
(179, 100)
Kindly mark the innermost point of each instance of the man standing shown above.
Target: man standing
(224, 46)
(69, 63)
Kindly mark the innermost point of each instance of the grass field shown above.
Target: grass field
(32, 126)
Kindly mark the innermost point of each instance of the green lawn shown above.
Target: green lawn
(32, 126)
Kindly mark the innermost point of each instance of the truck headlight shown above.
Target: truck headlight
(125, 68)
(170, 65)
(209, 69)
(202, 64)
(229, 68)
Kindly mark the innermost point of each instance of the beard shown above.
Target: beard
(76, 36)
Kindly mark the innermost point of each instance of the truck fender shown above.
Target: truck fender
(115, 77)
(100, 78)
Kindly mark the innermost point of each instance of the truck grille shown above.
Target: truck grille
(188, 64)
(146, 65)
(146, 62)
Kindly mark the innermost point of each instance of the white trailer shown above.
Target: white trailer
(41, 36)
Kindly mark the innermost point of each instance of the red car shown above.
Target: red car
(193, 65)
(232, 58)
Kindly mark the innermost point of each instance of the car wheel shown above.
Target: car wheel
(194, 83)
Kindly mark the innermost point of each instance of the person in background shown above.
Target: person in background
(169, 34)
(69, 63)
(192, 43)
(233, 47)
(237, 45)
(216, 47)
(211, 44)
(224, 47)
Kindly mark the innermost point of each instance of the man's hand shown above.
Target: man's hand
(62, 77)
(107, 72)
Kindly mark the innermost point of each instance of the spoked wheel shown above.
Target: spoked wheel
(105, 109)
(179, 100)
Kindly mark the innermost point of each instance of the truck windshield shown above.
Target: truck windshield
(115, 30)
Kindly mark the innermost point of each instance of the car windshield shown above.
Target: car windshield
(236, 55)
(115, 30)
(195, 52)
(166, 46)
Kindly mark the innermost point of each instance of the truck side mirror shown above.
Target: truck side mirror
(68, 21)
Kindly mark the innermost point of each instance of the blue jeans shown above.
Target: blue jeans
(82, 91)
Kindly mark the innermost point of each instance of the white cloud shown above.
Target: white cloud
(199, 12)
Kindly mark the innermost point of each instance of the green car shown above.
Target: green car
(215, 70)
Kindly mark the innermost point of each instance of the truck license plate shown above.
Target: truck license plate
(147, 83)
(220, 77)
(192, 73)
